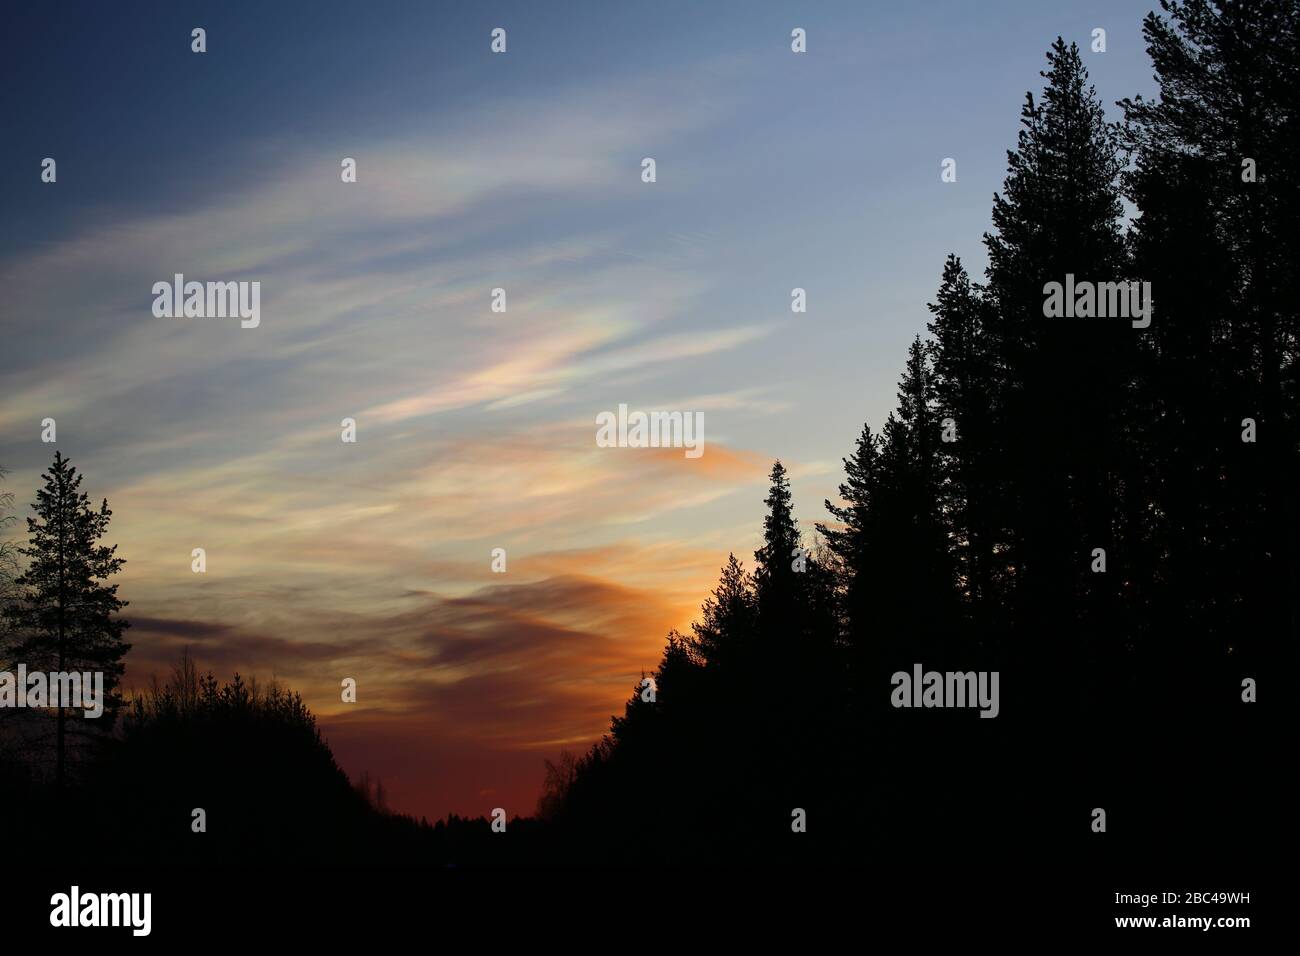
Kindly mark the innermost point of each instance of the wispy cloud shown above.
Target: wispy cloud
(475, 429)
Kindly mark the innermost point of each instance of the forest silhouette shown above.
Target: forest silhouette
(1172, 448)
(965, 539)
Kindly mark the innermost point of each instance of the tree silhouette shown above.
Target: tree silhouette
(963, 539)
(65, 615)
(1221, 244)
(965, 384)
(978, 551)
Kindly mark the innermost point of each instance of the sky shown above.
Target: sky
(476, 429)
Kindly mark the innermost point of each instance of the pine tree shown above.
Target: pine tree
(964, 393)
(857, 551)
(1217, 235)
(728, 617)
(850, 543)
(897, 585)
(780, 530)
(1061, 383)
(1064, 460)
(65, 613)
(774, 576)
(917, 587)
(1211, 176)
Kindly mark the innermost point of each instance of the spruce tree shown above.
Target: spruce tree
(1061, 383)
(727, 618)
(774, 576)
(66, 613)
(858, 553)
(1212, 155)
(965, 395)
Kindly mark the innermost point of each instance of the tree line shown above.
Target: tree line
(1105, 515)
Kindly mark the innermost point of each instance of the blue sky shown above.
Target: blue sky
(477, 170)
